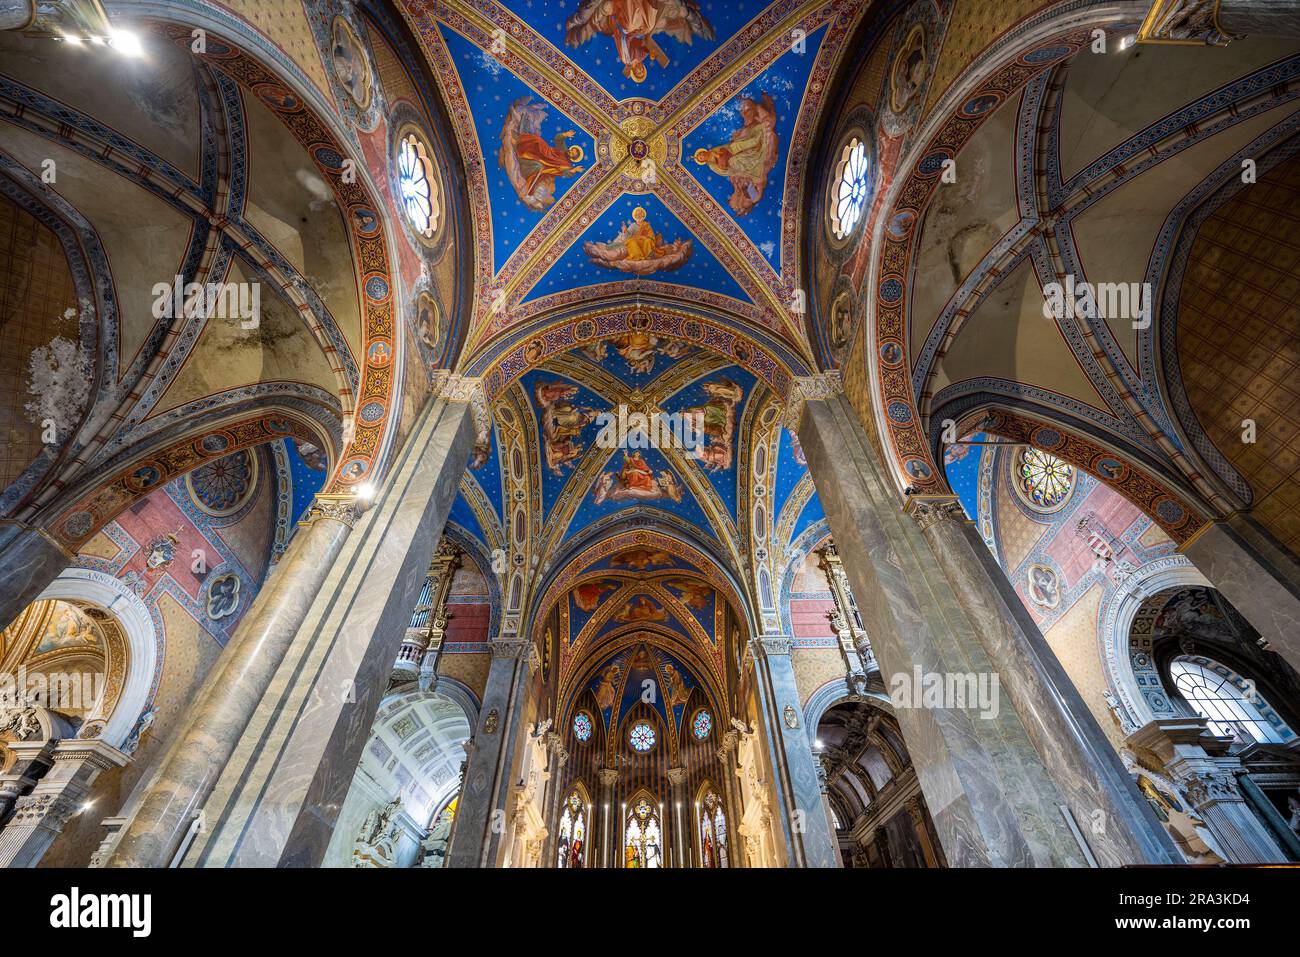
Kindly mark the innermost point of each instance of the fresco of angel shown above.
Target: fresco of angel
(531, 163)
(640, 608)
(632, 25)
(639, 559)
(693, 594)
(748, 159)
(674, 688)
(605, 688)
(588, 595)
(635, 481)
(640, 250)
(562, 423)
(718, 415)
(639, 348)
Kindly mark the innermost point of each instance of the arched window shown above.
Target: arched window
(572, 848)
(1231, 703)
(713, 831)
(643, 842)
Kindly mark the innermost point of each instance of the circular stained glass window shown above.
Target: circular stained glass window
(702, 724)
(582, 726)
(642, 737)
(415, 182)
(850, 188)
(1043, 481)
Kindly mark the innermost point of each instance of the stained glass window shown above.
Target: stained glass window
(642, 836)
(642, 737)
(702, 724)
(850, 189)
(713, 831)
(582, 726)
(571, 850)
(418, 191)
(1044, 481)
(1231, 704)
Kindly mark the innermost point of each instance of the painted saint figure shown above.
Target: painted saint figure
(562, 423)
(750, 156)
(531, 163)
(632, 25)
(639, 249)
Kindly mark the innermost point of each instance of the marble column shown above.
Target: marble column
(1198, 761)
(808, 830)
(29, 560)
(280, 725)
(183, 781)
(39, 817)
(991, 798)
(610, 819)
(481, 814)
(1255, 574)
(681, 815)
(1062, 731)
(727, 758)
(558, 757)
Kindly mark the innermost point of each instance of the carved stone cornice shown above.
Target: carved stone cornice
(805, 388)
(345, 508)
(930, 510)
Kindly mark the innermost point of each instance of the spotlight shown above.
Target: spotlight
(366, 491)
(1127, 42)
(72, 39)
(127, 43)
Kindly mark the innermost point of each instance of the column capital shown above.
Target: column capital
(768, 645)
(44, 808)
(930, 510)
(463, 388)
(730, 739)
(509, 647)
(608, 776)
(344, 508)
(677, 776)
(809, 387)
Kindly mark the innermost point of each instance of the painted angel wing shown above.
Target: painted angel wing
(584, 24)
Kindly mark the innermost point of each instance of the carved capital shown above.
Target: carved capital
(767, 645)
(463, 388)
(51, 810)
(930, 510)
(343, 508)
(1204, 787)
(515, 648)
(608, 776)
(677, 776)
(805, 388)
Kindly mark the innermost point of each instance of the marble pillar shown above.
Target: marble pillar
(1259, 578)
(727, 757)
(558, 757)
(1198, 761)
(610, 820)
(677, 778)
(274, 744)
(992, 801)
(1116, 820)
(176, 791)
(279, 796)
(29, 560)
(808, 832)
(39, 817)
(482, 811)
